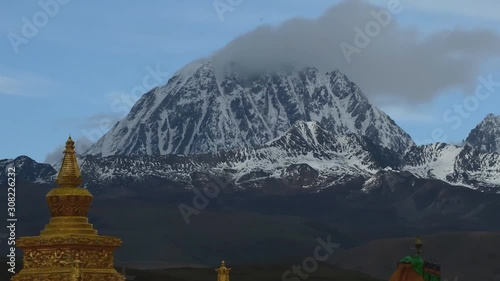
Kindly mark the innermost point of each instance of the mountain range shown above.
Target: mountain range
(302, 129)
(296, 155)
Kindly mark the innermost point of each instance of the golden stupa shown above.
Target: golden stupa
(68, 249)
(223, 272)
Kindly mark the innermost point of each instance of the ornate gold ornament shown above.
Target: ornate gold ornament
(223, 272)
(69, 248)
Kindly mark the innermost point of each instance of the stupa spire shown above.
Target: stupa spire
(418, 245)
(69, 174)
(69, 248)
(223, 272)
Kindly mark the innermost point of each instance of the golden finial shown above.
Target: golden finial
(418, 245)
(69, 174)
(223, 272)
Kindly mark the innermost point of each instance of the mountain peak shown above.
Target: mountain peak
(200, 112)
(492, 118)
(191, 68)
(486, 136)
(27, 169)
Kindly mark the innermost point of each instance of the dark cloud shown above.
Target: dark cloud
(398, 64)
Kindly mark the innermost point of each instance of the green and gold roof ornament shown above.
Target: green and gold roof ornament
(415, 268)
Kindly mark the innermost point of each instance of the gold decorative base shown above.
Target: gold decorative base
(68, 225)
(66, 257)
(69, 275)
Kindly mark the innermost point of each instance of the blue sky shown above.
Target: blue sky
(65, 77)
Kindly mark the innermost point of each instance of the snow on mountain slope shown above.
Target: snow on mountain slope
(477, 168)
(306, 156)
(195, 112)
(456, 165)
(432, 161)
(306, 153)
(308, 143)
(486, 135)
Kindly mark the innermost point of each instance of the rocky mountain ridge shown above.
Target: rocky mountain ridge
(198, 112)
(486, 135)
(305, 157)
(300, 129)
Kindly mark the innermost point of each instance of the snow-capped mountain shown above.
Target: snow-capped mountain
(305, 148)
(486, 136)
(305, 156)
(301, 129)
(432, 161)
(332, 157)
(476, 164)
(476, 168)
(26, 170)
(198, 112)
(457, 165)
